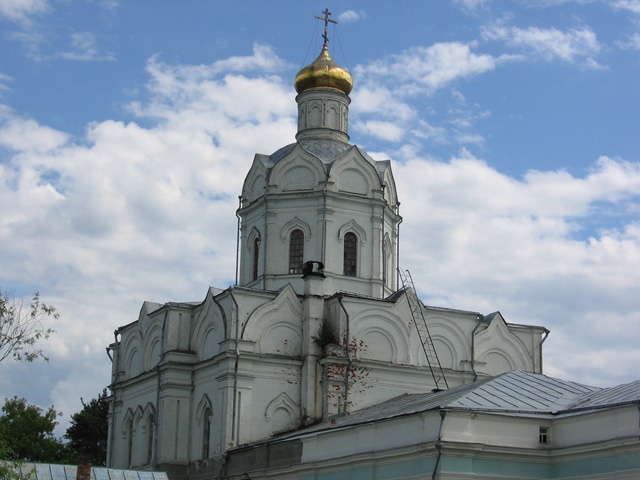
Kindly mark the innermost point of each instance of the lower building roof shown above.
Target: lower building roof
(515, 393)
(49, 471)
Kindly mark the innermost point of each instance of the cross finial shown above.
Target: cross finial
(326, 24)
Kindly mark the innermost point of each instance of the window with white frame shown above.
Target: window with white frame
(543, 435)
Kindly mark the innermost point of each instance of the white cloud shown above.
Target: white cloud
(85, 48)
(4, 79)
(630, 5)
(131, 213)
(264, 59)
(394, 89)
(632, 43)
(21, 11)
(41, 44)
(470, 138)
(372, 98)
(383, 130)
(428, 68)
(471, 5)
(110, 4)
(485, 241)
(351, 16)
(27, 135)
(574, 45)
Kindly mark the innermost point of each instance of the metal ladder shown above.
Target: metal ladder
(420, 322)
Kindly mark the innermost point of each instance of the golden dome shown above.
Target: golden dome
(323, 73)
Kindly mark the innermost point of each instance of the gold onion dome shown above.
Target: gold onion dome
(323, 73)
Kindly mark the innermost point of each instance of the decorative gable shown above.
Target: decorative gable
(255, 183)
(355, 174)
(276, 327)
(498, 350)
(299, 170)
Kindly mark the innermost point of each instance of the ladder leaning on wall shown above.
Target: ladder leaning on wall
(417, 312)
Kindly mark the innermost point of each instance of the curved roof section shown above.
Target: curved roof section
(328, 151)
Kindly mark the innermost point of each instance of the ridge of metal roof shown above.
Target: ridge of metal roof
(522, 392)
(627, 393)
(517, 393)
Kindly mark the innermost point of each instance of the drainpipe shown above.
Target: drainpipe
(348, 369)
(191, 407)
(546, 334)
(398, 246)
(473, 347)
(234, 413)
(443, 413)
(384, 250)
(113, 398)
(238, 237)
(223, 467)
(266, 236)
(324, 221)
(157, 416)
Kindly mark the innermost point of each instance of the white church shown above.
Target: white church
(322, 363)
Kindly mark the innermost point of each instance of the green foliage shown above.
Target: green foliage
(26, 432)
(325, 335)
(16, 469)
(8, 469)
(21, 327)
(89, 428)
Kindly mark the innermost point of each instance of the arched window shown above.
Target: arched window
(206, 433)
(296, 251)
(150, 432)
(256, 257)
(350, 254)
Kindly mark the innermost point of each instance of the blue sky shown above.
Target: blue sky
(126, 129)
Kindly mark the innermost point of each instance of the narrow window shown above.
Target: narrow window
(256, 257)
(350, 254)
(206, 434)
(150, 428)
(129, 430)
(543, 435)
(296, 251)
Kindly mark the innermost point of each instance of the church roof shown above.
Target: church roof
(610, 397)
(515, 393)
(325, 149)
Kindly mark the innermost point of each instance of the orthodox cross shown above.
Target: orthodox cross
(326, 24)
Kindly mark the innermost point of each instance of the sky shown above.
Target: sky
(513, 127)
